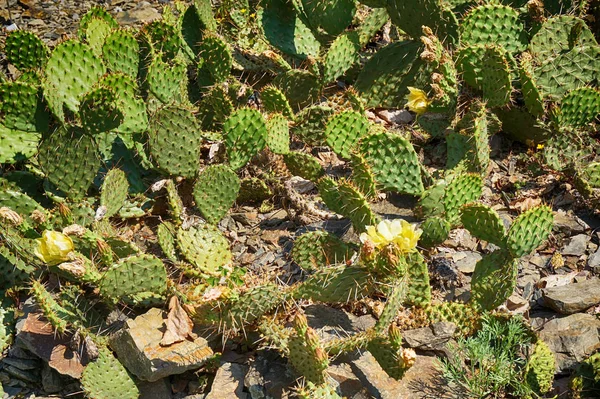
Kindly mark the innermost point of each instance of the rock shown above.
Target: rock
(433, 337)
(569, 223)
(268, 376)
(573, 298)
(572, 339)
(594, 261)
(349, 383)
(517, 304)
(51, 380)
(138, 347)
(465, 261)
(160, 389)
(37, 336)
(418, 382)
(229, 382)
(140, 14)
(397, 116)
(577, 245)
(332, 323)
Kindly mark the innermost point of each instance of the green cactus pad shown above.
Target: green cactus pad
(70, 160)
(215, 191)
(278, 134)
(164, 39)
(336, 284)
(540, 368)
(273, 100)
(591, 173)
(245, 135)
(484, 223)
(389, 357)
(435, 231)
(462, 189)
(25, 50)
(95, 13)
(384, 78)
(300, 87)
(99, 111)
(494, 280)
(531, 94)
(341, 56)
(569, 70)
(71, 71)
(307, 356)
(310, 124)
(114, 191)
(304, 165)
(251, 305)
(21, 108)
(344, 130)
(372, 24)
(286, 31)
(96, 33)
(312, 391)
(419, 290)
(164, 79)
(107, 378)
(135, 117)
(16, 145)
(529, 230)
(214, 62)
(344, 198)
(494, 24)
(552, 38)
(138, 274)
(394, 163)
(396, 296)
(205, 247)
(331, 16)
(254, 190)
(174, 141)
(363, 177)
(121, 52)
(412, 16)
(165, 234)
(55, 314)
(318, 249)
(214, 108)
(20, 202)
(579, 107)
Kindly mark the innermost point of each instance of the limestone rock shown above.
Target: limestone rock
(138, 347)
(573, 298)
(229, 382)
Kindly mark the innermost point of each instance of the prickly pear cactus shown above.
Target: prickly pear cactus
(304, 165)
(114, 191)
(483, 223)
(318, 249)
(107, 378)
(25, 50)
(278, 134)
(133, 277)
(529, 230)
(215, 191)
(344, 131)
(205, 247)
(245, 135)
(121, 52)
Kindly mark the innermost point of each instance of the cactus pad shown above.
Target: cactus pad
(21, 107)
(99, 111)
(579, 107)
(529, 230)
(278, 134)
(215, 191)
(135, 118)
(335, 284)
(121, 52)
(318, 249)
(25, 50)
(344, 130)
(300, 87)
(435, 231)
(215, 61)
(71, 71)
(205, 247)
(461, 190)
(175, 139)
(70, 160)
(484, 223)
(394, 163)
(114, 191)
(411, 16)
(494, 280)
(164, 79)
(134, 275)
(273, 100)
(341, 56)
(304, 165)
(245, 135)
(107, 378)
(248, 307)
(310, 125)
(494, 24)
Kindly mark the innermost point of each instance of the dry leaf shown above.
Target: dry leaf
(526, 204)
(179, 324)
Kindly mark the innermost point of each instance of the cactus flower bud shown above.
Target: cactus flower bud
(54, 247)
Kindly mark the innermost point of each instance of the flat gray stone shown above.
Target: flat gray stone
(420, 381)
(138, 347)
(465, 261)
(160, 389)
(573, 298)
(577, 245)
(433, 337)
(594, 261)
(569, 223)
(229, 382)
(572, 339)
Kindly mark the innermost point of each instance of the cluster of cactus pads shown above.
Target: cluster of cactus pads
(121, 123)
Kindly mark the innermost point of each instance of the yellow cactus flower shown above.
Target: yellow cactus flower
(417, 100)
(398, 231)
(54, 247)
(540, 147)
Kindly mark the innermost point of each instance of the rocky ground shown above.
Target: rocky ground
(558, 287)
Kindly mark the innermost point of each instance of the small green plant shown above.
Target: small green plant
(493, 362)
